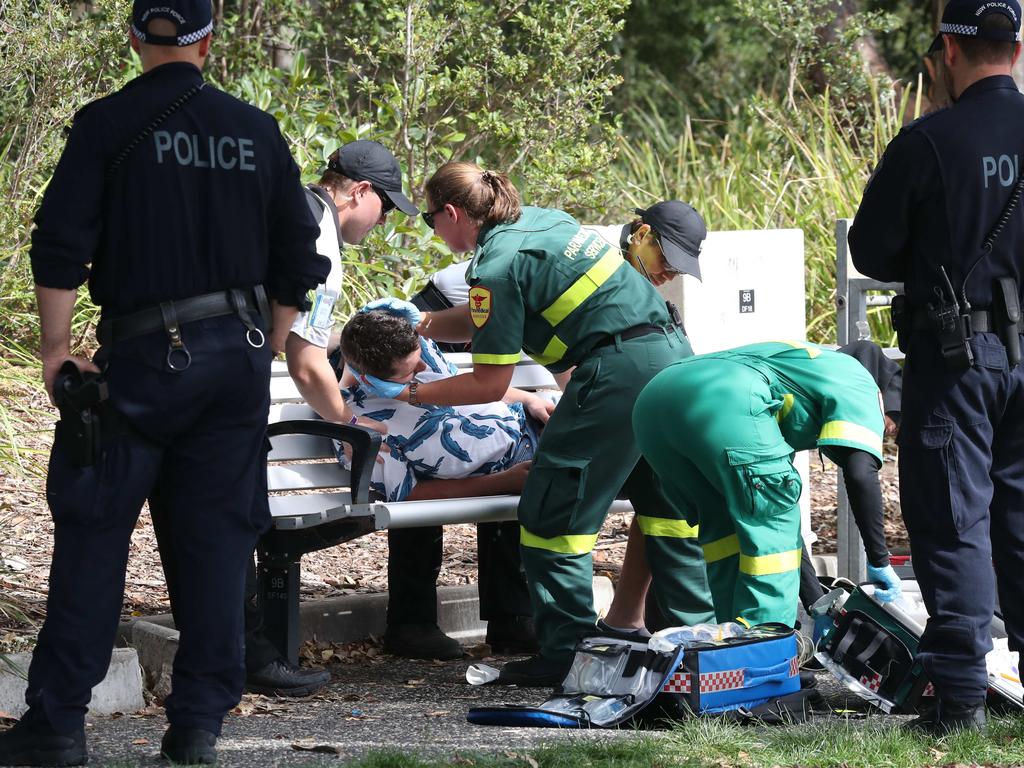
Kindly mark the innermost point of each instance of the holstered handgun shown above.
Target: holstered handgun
(79, 397)
(1006, 315)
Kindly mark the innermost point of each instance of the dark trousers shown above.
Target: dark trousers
(414, 563)
(962, 493)
(198, 436)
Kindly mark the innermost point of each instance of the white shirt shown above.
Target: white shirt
(316, 324)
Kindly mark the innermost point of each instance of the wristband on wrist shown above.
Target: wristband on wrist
(413, 385)
(353, 420)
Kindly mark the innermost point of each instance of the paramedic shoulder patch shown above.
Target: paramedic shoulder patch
(479, 305)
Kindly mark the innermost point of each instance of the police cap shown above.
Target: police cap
(681, 232)
(371, 161)
(193, 19)
(963, 17)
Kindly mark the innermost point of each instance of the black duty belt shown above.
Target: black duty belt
(630, 333)
(169, 316)
(982, 321)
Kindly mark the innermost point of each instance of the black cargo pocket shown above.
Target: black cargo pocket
(933, 458)
(552, 494)
(769, 485)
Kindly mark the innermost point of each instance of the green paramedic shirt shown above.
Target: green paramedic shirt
(824, 397)
(546, 286)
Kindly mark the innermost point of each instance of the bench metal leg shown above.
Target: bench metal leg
(279, 598)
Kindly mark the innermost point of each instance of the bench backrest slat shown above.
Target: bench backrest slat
(311, 505)
(298, 447)
(306, 477)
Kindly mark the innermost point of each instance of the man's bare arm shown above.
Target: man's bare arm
(56, 307)
(451, 325)
(509, 481)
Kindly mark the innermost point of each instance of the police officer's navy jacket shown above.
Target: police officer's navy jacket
(211, 200)
(938, 190)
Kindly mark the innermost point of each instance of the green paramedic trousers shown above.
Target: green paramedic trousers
(707, 427)
(587, 453)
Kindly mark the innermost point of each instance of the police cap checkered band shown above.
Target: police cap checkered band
(193, 20)
(965, 17)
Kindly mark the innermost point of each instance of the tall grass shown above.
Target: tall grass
(768, 167)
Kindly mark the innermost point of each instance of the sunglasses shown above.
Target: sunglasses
(428, 216)
(386, 203)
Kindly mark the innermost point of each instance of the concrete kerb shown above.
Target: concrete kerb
(335, 620)
(120, 690)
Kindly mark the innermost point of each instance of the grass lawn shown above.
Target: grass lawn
(876, 742)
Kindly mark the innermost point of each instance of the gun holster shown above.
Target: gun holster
(80, 398)
(1006, 316)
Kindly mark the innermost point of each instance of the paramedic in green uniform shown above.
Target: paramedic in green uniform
(540, 283)
(720, 431)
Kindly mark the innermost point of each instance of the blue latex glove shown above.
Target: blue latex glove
(375, 387)
(888, 588)
(821, 623)
(395, 307)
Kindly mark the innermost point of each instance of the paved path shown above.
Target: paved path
(399, 705)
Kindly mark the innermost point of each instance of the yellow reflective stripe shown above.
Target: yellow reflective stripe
(721, 549)
(672, 529)
(566, 545)
(854, 433)
(743, 621)
(584, 286)
(765, 565)
(787, 405)
(496, 359)
(812, 352)
(552, 353)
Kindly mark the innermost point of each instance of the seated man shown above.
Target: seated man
(436, 452)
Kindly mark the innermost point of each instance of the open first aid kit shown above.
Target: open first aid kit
(871, 647)
(677, 673)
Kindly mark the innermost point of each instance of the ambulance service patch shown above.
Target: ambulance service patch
(479, 305)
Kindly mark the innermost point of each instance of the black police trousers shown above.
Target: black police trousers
(197, 440)
(961, 464)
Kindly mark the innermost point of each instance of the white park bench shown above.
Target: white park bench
(316, 504)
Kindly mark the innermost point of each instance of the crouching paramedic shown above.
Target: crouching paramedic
(720, 431)
(541, 283)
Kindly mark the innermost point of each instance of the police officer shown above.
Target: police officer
(182, 207)
(360, 186)
(541, 283)
(720, 431)
(937, 215)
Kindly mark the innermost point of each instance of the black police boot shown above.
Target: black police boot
(950, 717)
(420, 641)
(282, 678)
(534, 672)
(189, 746)
(36, 743)
(512, 635)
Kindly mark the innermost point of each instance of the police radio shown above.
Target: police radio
(953, 326)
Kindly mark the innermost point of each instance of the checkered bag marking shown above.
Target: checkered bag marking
(710, 682)
(958, 29)
(794, 667)
(872, 683)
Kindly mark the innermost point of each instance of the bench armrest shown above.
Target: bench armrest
(365, 444)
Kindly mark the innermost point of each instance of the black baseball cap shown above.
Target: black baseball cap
(681, 232)
(193, 18)
(371, 161)
(963, 17)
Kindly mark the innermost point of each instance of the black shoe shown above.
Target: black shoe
(950, 717)
(808, 679)
(638, 635)
(534, 672)
(421, 641)
(189, 746)
(281, 678)
(35, 743)
(512, 635)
